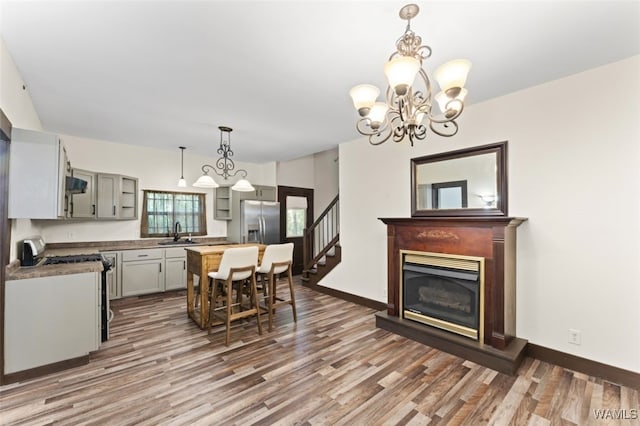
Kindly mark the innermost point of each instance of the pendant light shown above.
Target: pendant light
(181, 182)
(224, 167)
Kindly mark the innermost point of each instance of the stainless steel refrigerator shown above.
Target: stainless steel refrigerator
(259, 222)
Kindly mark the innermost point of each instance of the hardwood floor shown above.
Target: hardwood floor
(332, 367)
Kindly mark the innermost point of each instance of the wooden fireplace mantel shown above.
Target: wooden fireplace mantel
(493, 238)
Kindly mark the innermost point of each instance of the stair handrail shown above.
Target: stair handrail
(309, 258)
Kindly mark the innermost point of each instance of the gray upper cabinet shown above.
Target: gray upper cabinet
(38, 167)
(261, 193)
(108, 199)
(224, 198)
(83, 206)
(116, 197)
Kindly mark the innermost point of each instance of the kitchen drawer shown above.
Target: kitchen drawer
(130, 255)
(175, 252)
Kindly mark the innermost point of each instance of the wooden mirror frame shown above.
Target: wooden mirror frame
(501, 208)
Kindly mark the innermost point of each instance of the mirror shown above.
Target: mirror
(467, 182)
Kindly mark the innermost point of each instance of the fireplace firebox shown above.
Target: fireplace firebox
(443, 291)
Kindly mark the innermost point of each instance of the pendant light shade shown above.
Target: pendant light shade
(243, 185)
(205, 181)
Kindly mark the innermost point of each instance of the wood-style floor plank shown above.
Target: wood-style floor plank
(332, 367)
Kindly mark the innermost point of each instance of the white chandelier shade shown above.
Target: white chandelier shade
(401, 72)
(452, 74)
(364, 96)
(407, 110)
(205, 181)
(243, 185)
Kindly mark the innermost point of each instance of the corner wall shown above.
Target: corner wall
(574, 168)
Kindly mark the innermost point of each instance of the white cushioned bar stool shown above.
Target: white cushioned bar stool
(277, 259)
(236, 266)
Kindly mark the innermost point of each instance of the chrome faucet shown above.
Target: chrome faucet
(176, 231)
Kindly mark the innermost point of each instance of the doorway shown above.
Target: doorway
(296, 214)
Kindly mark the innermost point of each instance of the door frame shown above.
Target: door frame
(5, 229)
(293, 191)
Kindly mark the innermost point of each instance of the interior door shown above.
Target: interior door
(291, 212)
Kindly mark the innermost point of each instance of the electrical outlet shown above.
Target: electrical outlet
(575, 336)
(70, 235)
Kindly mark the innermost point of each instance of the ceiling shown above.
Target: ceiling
(166, 74)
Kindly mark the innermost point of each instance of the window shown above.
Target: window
(296, 216)
(162, 209)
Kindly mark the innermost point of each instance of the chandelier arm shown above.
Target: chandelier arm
(381, 137)
(448, 119)
(445, 125)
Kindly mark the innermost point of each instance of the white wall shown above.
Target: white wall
(574, 171)
(18, 107)
(298, 172)
(325, 178)
(318, 171)
(155, 169)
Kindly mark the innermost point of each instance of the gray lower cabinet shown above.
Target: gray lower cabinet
(175, 268)
(50, 320)
(112, 275)
(146, 271)
(142, 272)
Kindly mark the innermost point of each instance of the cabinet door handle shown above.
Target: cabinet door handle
(160, 265)
(184, 264)
(71, 208)
(93, 209)
(143, 255)
(114, 210)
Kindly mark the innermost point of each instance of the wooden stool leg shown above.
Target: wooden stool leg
(229, 286)
(293, 300)
(212, 305)
(256, 305)
(270, 297)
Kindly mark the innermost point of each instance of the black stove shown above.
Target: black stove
(77, 258)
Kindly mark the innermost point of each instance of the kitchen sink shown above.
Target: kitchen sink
(176, 243)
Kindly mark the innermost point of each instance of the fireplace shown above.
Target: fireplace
(451, 286)
(443, 291)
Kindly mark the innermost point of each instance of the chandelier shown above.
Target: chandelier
(224, 166)
(408, 110)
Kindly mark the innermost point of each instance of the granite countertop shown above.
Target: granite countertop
(15, 272)
(90, 247)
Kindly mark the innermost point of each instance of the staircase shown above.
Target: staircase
(322, 250)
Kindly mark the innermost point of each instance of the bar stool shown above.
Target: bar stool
(277, 259)
(236, 266)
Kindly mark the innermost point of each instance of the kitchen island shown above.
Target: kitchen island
(200, 261)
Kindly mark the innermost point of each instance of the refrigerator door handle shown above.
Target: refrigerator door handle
(260, 229)
(263, 237)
